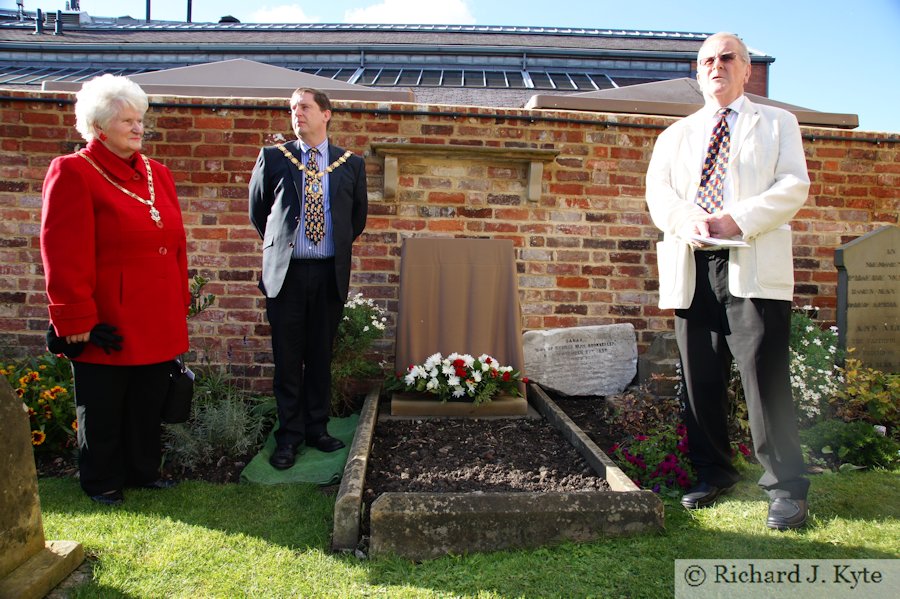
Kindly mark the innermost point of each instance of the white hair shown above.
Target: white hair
(743, 52)
(102, 98)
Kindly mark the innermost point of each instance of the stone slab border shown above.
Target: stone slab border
(428, 525)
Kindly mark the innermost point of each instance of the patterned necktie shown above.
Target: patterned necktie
(314, 210)
(712, 181)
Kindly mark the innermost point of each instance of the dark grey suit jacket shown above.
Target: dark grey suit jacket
(275, 204)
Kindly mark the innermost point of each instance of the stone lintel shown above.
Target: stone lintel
(428, 525)
(535, 157)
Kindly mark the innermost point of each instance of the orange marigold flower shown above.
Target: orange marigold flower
(75, 425)
(57, 390)
(37, 437)
(20, 392)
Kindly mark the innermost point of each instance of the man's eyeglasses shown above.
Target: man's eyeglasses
(725, 57)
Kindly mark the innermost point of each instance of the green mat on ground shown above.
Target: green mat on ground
(312, 466)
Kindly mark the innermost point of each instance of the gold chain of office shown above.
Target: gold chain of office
(320, 174)
(154, 213)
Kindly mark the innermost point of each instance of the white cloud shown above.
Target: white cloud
(445, 12)
(285, 13)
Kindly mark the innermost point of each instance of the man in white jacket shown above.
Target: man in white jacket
(734, 171)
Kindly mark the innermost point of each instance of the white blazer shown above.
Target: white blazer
(770, 184)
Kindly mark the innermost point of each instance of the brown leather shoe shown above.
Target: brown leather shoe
(786, 514)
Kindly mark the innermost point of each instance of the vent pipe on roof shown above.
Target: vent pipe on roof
(58, 29)
(188, 11)
(39, 22)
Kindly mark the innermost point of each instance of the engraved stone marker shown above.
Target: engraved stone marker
(868, 298)
(29, 566)
(592, 360)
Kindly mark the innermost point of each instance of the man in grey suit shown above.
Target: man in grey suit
(308, 202)
(733, 171)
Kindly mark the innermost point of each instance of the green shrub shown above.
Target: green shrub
(869, 395)
(45, 386)
(225, 421)
(363, 322)
(815, 378)
(841, 443)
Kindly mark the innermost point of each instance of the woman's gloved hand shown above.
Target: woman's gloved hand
(104, 336)
(59, 345)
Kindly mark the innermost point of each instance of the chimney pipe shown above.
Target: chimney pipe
(58, 30)
(39, 22)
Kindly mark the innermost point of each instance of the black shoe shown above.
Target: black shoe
(325, 442)
(703, 495)
(160, 483)
(785, 514)
(109, 498)
(284, 456)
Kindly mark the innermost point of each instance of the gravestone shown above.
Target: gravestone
(868, 298)
(658, 366)
(29, 565)
(592, 360)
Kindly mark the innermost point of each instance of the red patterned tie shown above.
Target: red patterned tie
(712, 181)
(314, 209)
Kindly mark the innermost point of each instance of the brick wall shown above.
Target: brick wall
(585, 249)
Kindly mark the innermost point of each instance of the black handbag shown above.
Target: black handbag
(177, 406)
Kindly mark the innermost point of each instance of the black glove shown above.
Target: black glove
(59, 345)
(104, 336)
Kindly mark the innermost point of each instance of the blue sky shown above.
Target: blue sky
(830, 55)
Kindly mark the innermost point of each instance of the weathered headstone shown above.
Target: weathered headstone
(592, 360)
(658, 366)
(29, 565)
(868, 298)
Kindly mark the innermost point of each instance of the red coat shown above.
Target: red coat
(105, 260)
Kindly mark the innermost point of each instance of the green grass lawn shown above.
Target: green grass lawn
(204, 540)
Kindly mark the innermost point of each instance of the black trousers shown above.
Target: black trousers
(304, 319)
(118, 409)
(755, 333)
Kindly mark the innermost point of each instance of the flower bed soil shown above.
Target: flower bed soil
(477, 455)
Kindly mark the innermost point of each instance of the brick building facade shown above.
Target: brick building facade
(585, 245)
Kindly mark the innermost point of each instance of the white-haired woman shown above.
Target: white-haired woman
(114, 253)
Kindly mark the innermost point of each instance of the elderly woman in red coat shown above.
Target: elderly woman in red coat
(114, 253)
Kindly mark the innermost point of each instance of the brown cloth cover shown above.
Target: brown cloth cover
(458, 295)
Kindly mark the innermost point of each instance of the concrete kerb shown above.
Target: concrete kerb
(427, 525)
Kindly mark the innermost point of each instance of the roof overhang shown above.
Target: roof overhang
(241, 78)
(676, 97)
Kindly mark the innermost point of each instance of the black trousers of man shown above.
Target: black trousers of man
(304, 318)
(118, 410)
(755, 333)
